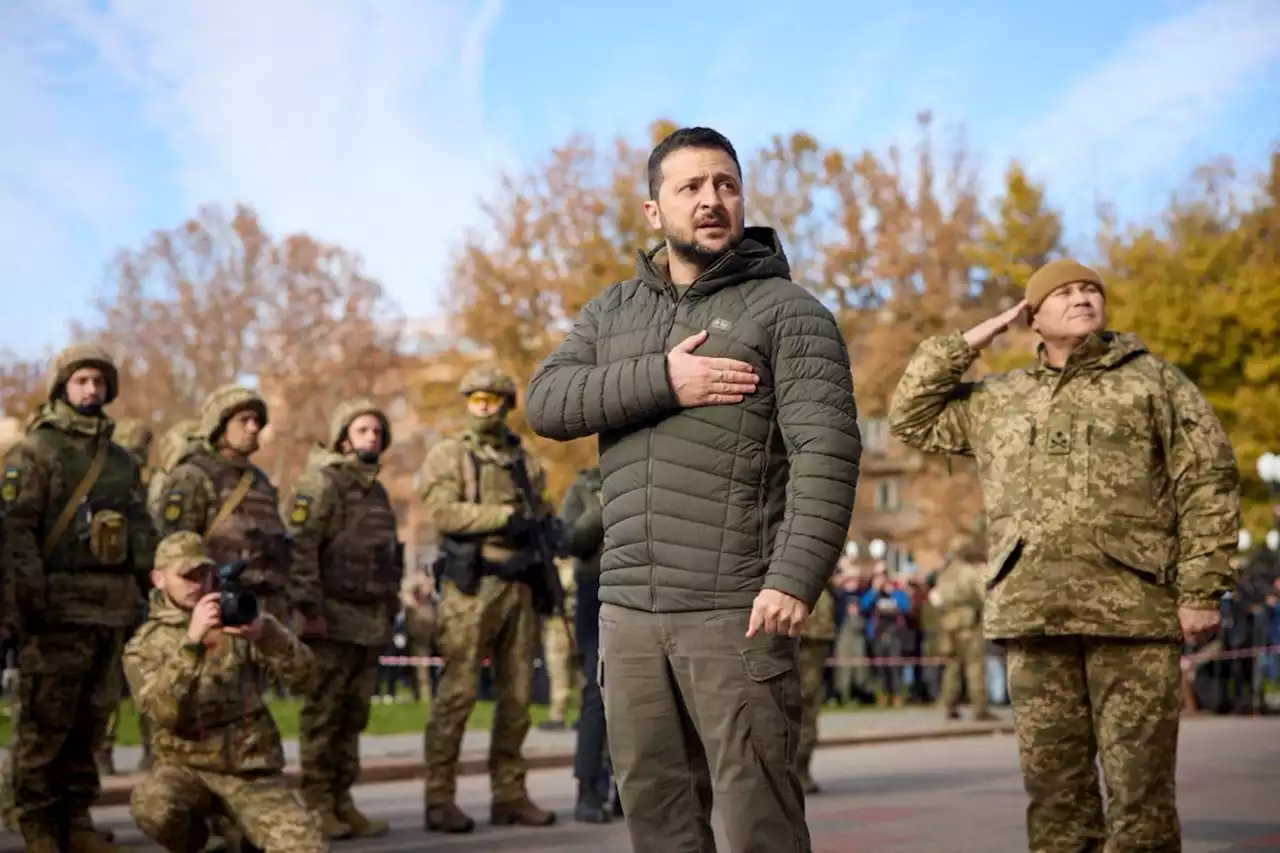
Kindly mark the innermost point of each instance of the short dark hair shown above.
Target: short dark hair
(686, 137)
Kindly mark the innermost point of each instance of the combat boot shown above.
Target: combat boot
(448, 818)
(985, 717)
(360, 825)
(333, 827)
(521, 812)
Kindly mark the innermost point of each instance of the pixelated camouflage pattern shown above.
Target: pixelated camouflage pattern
(356, 589)
(41, 472)
(74, 357)
(331, 720)
(491, 379)
(68, 690)
(204, 701)
(498, 620)
(821, 624)
(958, 595)
(441, 479)
(1111, 489)
(1081, 701)
(173, 803)
(224, 402)
(813, 657)
(194, 491)
(173, 445)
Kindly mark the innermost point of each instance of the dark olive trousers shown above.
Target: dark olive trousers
(695, 708)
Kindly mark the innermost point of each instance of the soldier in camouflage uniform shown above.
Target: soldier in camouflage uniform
(486, 605)
(557, 655)
(957, 597)
(10, 432)
(216, 490)
(134, 436)
(819, 633)
(345, 582)
(419, 600)
(77, 542)
(1112, 498)
(172, 447)
(217, 747)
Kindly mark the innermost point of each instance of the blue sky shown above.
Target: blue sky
(378, 125)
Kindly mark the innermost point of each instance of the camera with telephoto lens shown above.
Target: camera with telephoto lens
(238, 606)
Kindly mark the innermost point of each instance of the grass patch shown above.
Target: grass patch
(384, 719)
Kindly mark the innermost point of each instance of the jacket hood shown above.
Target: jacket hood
(59, 414)
(1103, 350)
(320, 456)
(759, 255)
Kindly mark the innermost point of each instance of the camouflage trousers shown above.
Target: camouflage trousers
(1081, 701)
(562, 673)
(68, 690)
(172, 806)
(965, 650)
(813, 662)
(497, 622)
(333, 716)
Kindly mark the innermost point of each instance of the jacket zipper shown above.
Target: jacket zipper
(648, 483)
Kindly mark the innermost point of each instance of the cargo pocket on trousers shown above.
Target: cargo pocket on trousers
(776, 705)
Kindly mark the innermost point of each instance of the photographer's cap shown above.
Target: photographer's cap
(181, 552)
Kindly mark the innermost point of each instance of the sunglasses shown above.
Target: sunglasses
(484, 398)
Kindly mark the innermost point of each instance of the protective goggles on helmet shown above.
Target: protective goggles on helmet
(484, 398)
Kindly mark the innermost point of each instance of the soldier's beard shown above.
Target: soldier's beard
(368, 457)
(89, 410)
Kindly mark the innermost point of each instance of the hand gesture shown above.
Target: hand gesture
(1198, 624)
(777, 613)
(205, 616)
(988, 330)
(702, 381)
(251, 632)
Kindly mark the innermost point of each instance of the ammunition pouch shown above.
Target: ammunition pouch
(102, 532)
(459, 561)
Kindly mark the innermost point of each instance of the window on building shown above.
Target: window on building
(875, 434)
(888, 496)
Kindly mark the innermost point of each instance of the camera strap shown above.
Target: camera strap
(233, 501)
(82, 490)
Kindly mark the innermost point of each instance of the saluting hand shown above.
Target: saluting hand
(777, 613)
(988, 330)
(703, 381)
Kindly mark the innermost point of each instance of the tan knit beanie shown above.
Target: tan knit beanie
(1055, 274)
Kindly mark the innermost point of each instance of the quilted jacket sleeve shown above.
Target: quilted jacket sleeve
(570, 396)
(818, 420)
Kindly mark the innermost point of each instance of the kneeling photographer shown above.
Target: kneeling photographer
(194, 669)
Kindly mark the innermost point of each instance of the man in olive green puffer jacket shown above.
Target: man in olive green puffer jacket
(721, 394)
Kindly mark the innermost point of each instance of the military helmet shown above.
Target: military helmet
(224, 402)
(75, 357)
(134, 435)
(181, 550)
(491, 379)
(348, 412)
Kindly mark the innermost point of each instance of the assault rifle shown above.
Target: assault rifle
(545, 539)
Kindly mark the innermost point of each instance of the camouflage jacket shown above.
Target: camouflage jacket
(467, 492)
(346, 561)
(958, 596)
(93, 573)
(583, 523)
(821, 624)
(1111, 489)
(176, 443)
(204, 702)
(195, 491)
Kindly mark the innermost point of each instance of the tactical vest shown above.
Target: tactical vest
(254, 530)
(364, 562)
(99, 536)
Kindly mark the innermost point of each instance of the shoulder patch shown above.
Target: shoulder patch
(172, 507)
(12, 477)
(301, 509)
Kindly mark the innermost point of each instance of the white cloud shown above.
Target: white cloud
(1133, 116)
(361, 123)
